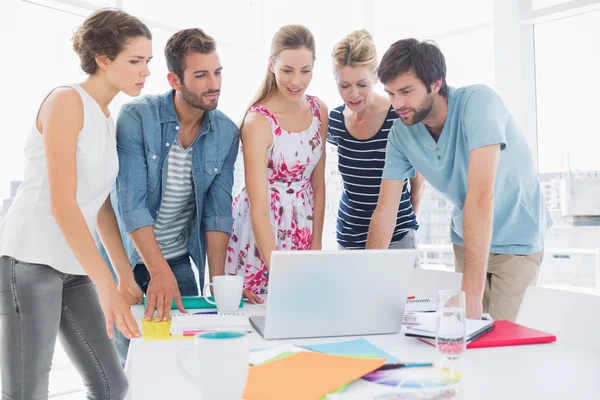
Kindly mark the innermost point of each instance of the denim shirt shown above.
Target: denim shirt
(146, 129)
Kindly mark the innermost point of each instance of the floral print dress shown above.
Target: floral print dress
(290, 162)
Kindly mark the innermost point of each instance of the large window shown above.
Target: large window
(427, 19)
(538, 4)
(567, 63)
(233, 23)
(42, 59)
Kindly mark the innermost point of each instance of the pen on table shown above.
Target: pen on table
(194, 332)
(206, 313)
(403, 365)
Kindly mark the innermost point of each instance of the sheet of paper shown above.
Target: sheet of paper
(417, 318)
(287, 354)
(347, 348)
(260, 356)
(305, 375)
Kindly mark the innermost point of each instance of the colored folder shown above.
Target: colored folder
(508, 333)
(195, 302)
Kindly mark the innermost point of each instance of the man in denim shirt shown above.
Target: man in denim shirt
(176, 155)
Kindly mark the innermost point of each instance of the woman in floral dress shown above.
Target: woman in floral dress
(282, 206)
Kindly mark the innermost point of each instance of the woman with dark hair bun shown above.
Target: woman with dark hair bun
(49, 262)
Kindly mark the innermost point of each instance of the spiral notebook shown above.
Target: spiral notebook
(419, 304)
(183, 324)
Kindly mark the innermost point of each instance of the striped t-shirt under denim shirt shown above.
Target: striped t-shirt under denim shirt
(177, 206)
(360, 163)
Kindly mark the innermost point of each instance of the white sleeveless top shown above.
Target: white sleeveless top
(29, 231)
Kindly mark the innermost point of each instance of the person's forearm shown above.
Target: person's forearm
(477, 235)
(216, 251)
(318, 214)
(77, 234)
(416, 196)
(263, 233)
(147, 246)
(380, 230)
(108, 231)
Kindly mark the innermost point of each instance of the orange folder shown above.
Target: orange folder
(305, 376)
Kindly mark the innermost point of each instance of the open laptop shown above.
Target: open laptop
(336, 293)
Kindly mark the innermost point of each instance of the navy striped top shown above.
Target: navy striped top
(360, 163)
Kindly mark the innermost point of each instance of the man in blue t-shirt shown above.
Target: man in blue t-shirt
(466, 145)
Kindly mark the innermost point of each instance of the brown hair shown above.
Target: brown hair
(105, 32)
(184, 42)
(355, 50)
(288, 37)
(425, 58)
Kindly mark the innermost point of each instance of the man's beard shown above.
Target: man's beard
(420, 113)
(196, 101)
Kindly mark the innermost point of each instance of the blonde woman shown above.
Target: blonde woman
(359, 128)
(282, 206)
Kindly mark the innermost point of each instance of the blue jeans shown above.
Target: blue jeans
(182, 270)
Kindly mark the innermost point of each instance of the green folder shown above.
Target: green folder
(193, 302)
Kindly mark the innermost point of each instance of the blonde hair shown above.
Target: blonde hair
(288, 37)
(355, 50)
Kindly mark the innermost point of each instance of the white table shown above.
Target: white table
(548, 371)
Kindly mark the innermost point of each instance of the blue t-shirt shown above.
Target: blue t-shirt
(477, 117)
(360, 163)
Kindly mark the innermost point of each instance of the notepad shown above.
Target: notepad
(158, 330)
(181, 323)
(423, 304)
(475, 329)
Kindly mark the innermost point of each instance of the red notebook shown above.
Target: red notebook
(506, 333)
